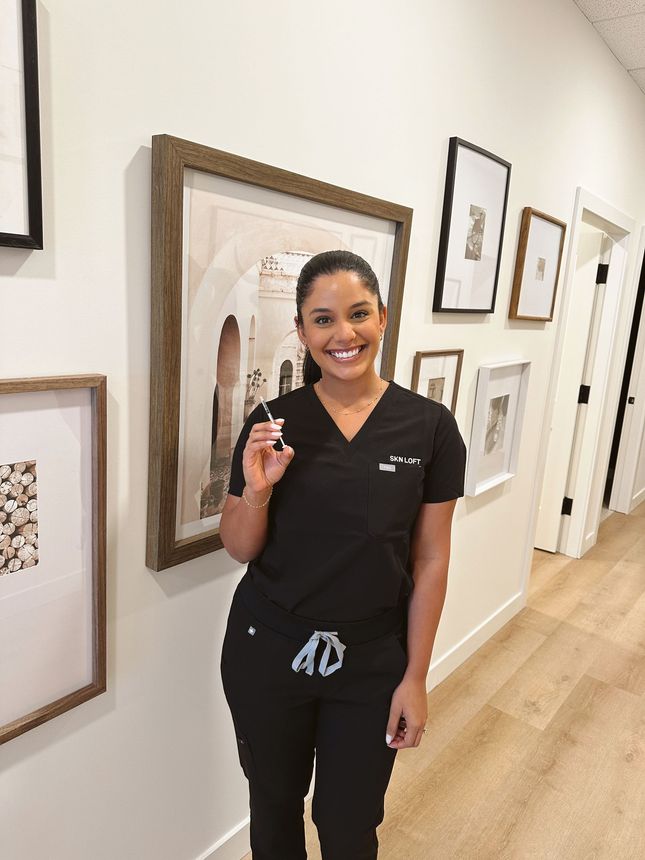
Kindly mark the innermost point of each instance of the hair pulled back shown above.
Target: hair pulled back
(328, 263)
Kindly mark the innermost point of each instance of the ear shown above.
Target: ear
(383, 319)
(301, 337)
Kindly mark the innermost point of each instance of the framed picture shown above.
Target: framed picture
(52, 547)
(21, 221)
(537, 267)
(497, 425)
(472, 229)
(436, 375)
(229, 237)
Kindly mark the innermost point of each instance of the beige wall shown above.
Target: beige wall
(361, 94)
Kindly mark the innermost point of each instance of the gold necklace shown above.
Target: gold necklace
(354, 411)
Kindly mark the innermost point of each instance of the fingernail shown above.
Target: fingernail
(276, 433)
(388, 739)
(271, 441)
(276, 427)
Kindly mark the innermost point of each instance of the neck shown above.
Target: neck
(348, 392)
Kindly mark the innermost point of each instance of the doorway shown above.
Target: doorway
(581, 405)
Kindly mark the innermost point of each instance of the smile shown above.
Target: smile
(346, 354)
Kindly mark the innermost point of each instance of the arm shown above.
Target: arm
(430, 554)
(244, 522)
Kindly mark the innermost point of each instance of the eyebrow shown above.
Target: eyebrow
(328, 310)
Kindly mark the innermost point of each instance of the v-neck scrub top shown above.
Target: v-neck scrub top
(341, 517)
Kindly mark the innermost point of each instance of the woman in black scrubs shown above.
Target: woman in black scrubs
(346, 530)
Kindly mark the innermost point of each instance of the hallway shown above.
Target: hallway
(536, 745)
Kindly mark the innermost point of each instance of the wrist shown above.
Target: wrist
(257, 498)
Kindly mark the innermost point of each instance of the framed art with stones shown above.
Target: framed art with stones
(229, 237)
(52, 547)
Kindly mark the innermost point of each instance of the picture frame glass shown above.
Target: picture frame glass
(243, 248)
(438, 378)
(14, 200)
(495, 446)
(540, 268)
(46, 584)
(477, 219)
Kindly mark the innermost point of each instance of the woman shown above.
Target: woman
(347, 531)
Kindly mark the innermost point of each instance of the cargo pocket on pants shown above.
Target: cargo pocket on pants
(244, 753)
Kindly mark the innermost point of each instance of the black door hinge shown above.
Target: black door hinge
(583, 394)
(567, 505)
(601, 274)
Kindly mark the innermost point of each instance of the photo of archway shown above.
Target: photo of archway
(242, 256)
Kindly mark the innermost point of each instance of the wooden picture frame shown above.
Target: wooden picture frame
(472, 229)
(52, 547)
(436, 375)
(21, 209)
(496, 432)
(228, 238)
(537, 266)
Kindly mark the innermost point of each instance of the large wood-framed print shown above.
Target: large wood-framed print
(229, 237)
(496, 430)
(436, 373)
(52, 547)
(537, 267)
(472, 229)
(21, 223)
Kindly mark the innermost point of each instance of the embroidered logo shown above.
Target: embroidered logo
(414, 461)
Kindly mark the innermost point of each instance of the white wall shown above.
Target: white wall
(364, 95)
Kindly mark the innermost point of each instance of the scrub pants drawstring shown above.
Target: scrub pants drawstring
(305, 657)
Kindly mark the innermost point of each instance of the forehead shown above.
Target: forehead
(339, 287)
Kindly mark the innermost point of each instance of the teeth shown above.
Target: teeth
(347, 353)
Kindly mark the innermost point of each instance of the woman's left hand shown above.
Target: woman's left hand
(408, 714)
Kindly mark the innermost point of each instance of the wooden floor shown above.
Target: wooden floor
(536, 745)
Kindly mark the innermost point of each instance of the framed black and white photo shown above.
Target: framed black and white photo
(496, 430)
(21, 223)
(52, 547)
(472, 229)
(537, 267)
(436, 375)
(229, 238)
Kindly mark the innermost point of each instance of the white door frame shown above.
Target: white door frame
(606, 389)
(624, 495)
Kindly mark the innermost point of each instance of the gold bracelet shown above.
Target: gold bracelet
(257, 506)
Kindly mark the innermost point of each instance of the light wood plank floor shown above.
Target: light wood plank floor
(536, 745)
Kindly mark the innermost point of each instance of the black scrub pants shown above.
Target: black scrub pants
(282, 716)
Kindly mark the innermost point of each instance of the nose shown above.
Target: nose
(345, 332)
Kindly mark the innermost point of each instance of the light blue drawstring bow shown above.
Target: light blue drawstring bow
(305, 657)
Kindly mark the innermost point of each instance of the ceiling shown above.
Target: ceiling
(621, 23)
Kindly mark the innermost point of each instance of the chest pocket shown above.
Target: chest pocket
(393, 499)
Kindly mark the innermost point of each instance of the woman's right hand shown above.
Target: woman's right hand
(263, 466)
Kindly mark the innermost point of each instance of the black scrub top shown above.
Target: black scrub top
(340, 519)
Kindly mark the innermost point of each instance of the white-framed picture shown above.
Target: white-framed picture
(436, 373)
(52, 547)
(497, 424)
(537, 267)
(472, 229)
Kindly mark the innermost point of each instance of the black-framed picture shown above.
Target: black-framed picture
(229, 237)
(472, 229)
(21, 220)
(537, 267)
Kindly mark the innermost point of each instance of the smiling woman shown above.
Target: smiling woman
(347, 531)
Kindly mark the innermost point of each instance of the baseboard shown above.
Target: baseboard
(236, 843)
(232, 846)
(638, 498)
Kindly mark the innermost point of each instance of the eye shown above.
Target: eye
(322, 320)
(361, 313)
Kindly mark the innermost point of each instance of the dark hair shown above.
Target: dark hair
(328, 263)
